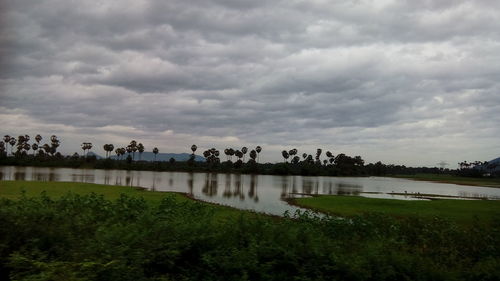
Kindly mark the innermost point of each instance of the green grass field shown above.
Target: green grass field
(14, 189)
(460, 211)
(488, 182)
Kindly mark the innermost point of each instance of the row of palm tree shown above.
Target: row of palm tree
(331, 159)
(212, 155)
(22, 145)
(468, 165)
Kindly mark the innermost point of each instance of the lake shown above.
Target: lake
(261, 193)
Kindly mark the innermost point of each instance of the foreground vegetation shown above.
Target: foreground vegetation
(463, 212)
(104, 237)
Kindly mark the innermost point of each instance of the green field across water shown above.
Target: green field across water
(460, 211)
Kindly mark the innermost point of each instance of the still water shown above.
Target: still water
(262, 193)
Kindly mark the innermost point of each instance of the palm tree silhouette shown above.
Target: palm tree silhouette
(108, 148)
(155, 151)
(244, 150)
(12, 142)
(54, 143)
(133, 148)
(140, 148)
(258, 149)
(285, 155)
(2, 148)
(86, 146)
(6, 139)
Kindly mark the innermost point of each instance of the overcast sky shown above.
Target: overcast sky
(404, 82)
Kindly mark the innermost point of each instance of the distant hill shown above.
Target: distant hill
(149, 156)
(494, 164)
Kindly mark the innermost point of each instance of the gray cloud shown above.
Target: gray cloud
(390, 80)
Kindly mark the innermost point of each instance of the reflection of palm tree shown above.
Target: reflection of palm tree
(190, 183)
(227, 190)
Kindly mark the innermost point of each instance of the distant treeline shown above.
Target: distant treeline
(343, 166)
(22, 153)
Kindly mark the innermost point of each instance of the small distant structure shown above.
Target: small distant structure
(442, 164)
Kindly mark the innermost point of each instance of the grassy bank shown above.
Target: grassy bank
(488, 182)
(464, 212)
(13, 189)
(114, 236)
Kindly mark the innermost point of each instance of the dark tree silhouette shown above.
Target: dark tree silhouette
(258, 149)
(86, 146)
(285, 155)
(244, 150)
(155, 151)
(140, 148)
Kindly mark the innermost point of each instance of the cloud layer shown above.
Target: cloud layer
(409, 82)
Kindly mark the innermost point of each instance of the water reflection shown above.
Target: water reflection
(210, 187)
(256, 192)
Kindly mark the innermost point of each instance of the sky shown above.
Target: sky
(402, 82)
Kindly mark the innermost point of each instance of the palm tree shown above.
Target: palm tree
(285, 155)
(258, 149)
(140, 148)
(318, 154)
(34, 147)
(193, 148)
(129, 150)
(55, 143)
(20, 144)
(12, 142)
(238, 154)
(47, 148)
(155, 151)
(86, 146)
(6, 139)
(244, 151)
(108, 148)
(2, 148)
(231, 153)
(253, 155)
(27, 147)
(118, 153)
(133, 148)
